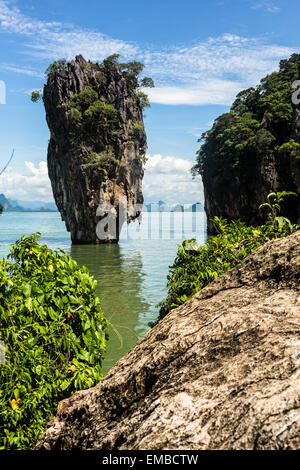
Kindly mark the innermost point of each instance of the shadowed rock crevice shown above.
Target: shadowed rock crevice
(220, 372)
(96, 149)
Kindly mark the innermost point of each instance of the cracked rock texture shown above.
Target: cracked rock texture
(220, 372)
(93, 156)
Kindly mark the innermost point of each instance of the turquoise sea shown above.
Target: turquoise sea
(131, 276)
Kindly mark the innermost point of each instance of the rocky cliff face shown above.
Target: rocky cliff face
(254, 150)
(220, 372)
(96, 148)
(251, 183)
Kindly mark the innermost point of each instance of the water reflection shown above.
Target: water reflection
(131, 276)
(120, 279)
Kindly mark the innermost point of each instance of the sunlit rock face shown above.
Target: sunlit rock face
(96, 149)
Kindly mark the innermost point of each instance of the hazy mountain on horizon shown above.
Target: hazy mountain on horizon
(162, 206)
(26, 206)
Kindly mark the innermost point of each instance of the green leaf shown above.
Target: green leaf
(27, 290)
(28, 304)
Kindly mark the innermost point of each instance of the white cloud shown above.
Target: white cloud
(50, 40)
(21, 70)
(228, 57)
(32, 184)
(166, 178)
(210, 92)
(266, 6)
(211, 71)
(169, 179)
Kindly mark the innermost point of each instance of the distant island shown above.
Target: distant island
(162, 206)
(40, 206)
(26, 206)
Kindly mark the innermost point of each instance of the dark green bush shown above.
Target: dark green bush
(54, 334)
(36, 96)
(143, 99)
(75, 116)
(84, 99)
(100, 110)
(196, 266)
(92, 117)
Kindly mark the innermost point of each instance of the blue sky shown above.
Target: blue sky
(199, 53)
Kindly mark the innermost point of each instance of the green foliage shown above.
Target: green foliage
(136, 131)
(259, 123)
(92, 156)
(93, 117)
(143, 158)
(280, 225)
(101, 119)
(55, 67)
(143, 99)
(102, 161)
(112, 61)
(36, 96)
(54, 335)
(99, 110)
(147, 82)
(196, 266)
(101, 77)
(75, 116)
(291, 147)
(132, 71)
(133, 67)
(230, 139)
(84, 99)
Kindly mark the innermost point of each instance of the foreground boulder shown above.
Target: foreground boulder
(220, 372)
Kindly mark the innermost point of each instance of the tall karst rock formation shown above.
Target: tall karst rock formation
(254, 150)
(97, 147)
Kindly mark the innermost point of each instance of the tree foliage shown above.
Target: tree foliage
(54, 334)
(36, 96)
(132, 71)
(55, 67)
(259, 123)
(136, 131)
(91, 116)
